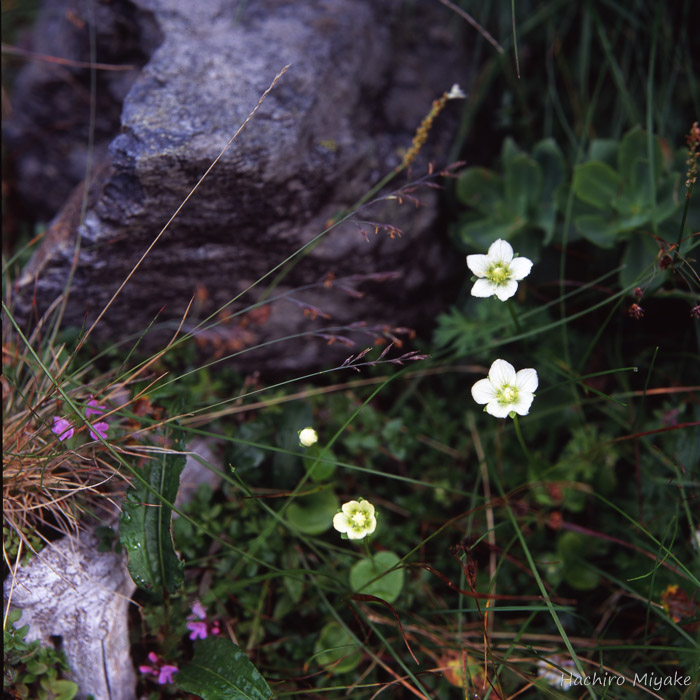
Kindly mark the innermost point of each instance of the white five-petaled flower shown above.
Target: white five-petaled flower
(504, 391)
(498, 271)
(356, 519)
(308, 437)
(551, 674)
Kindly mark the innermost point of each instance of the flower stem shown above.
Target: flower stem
(519, 433)
(514, 316)
(369, 554)
(685, 216)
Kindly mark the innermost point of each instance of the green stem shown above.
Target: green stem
(519, 433)
(369, 554)
(514, 316)
(685, 216)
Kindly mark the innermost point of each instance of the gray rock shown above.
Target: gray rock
(361, 78)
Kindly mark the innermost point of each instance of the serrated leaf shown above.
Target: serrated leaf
(144, 526)
(596, 184)
(220, 670)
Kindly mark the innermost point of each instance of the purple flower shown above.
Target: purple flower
(197, 622)
(198, 629)
(94, 408)
(63, 428)
(164, 672)
(198, 611)
(100, 428)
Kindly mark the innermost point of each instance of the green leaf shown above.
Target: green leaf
(319, 470)
(481, 233)
(363, 576)
(509, 151)
(596, 184)
(551, 162)
(245, 457)
(634, 148)
(221, 671)
(480, 188)
(604, 150)
(144, 526)
(640, 253)
(313, 514)
(523, 184)
(336, 649)
(597, 229)
(64, 690)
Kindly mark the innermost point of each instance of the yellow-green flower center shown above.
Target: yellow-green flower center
(358, 520)
(508, 394)
(499, 273)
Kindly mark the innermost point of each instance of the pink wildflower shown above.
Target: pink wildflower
(93, 408)
(63, 428)
(197, 622)
(100, 428)
(198, 629)
(198, 611)
(164, 672)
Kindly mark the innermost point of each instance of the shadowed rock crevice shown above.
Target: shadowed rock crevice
(362, 77)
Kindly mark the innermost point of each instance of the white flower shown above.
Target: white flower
(308, 437)
(456, 93)
(498, 271)
(356, 519)
(505, 391)
(553, 676)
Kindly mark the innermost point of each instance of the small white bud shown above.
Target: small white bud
(308, 437)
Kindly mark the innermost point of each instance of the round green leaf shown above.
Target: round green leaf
(336, 649)
(363, 576)
(319, 470)
(313, 514)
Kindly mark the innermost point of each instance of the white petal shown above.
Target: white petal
(506, 291)
(372, 527)
(499, 410)
(367, 507)
(349, 508)
(355, 535)
(340, 522)
(478, 264)
(500, 251)
(526, 380)
(522, 405)
(484, 288)
(520, 268)
(483, 391)
(502, 373)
